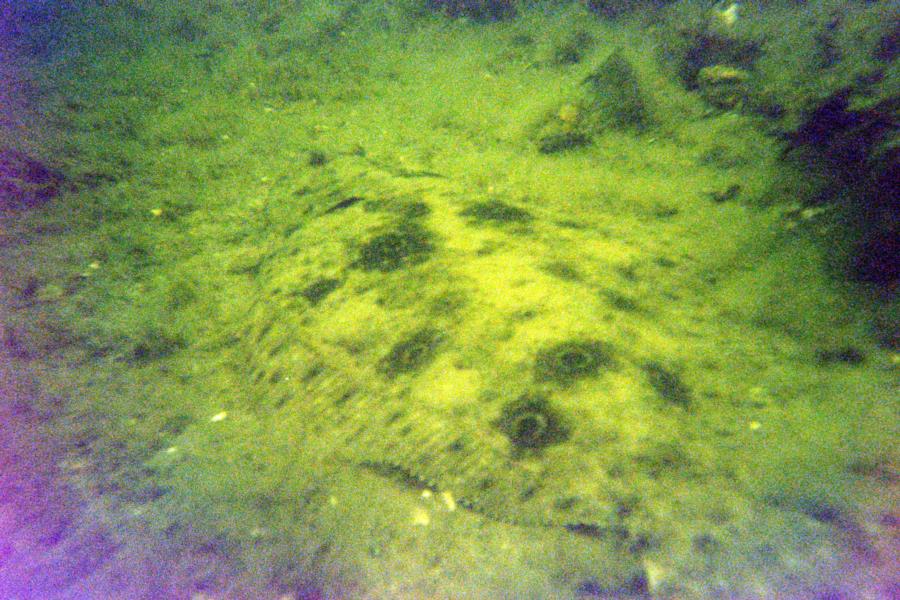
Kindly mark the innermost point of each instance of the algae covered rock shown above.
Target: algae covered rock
(723, 86)
(859, 151)
(611, 99)
(614, 97)
(695, 44)
(563, 129)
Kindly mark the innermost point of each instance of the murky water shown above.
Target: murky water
(450, 299)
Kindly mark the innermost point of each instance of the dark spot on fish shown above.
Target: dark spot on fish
(566, 362)
(531, 423)
(411, 353)
(667, 384)
(320, 289)
(620, 301)
(405, 247)
(415, 210)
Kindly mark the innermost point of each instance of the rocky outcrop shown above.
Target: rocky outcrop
(861, 151)
(611, 98)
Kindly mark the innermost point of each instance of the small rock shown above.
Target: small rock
(723, 86)
(614, 96)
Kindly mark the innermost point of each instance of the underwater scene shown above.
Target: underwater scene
(449, 299)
